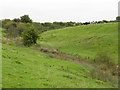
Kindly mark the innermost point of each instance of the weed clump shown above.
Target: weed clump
(103, 57)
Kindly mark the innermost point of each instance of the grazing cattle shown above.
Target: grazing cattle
(94, 22)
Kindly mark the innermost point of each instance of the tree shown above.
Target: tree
(30, 36)
(118, 18)
(16, 20)
(26, 19)
(105, 21)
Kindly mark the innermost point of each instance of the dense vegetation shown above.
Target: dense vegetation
(15, 27)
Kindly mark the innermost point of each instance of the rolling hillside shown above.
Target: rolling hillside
(30, 68)
(84, 41)
(23, 68)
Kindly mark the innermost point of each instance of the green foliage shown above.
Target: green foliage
(105, 21)
(4, 22)
(38, 26)
(70, 23)
(14, 29)
(21, 27)
(16, 20)
(30, 36)
(118, 18)
(26, 19)
(0, 24)
(21, 24)
(41, 27)
(11, 29)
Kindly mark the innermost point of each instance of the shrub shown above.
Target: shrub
(30, 36)
(10, 27)
(21, 27)
(4, 22)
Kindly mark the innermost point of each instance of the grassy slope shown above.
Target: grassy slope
(85, 41)
(0, 59)
(23, 67)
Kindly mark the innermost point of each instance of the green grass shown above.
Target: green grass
(27, 68)
(0, 59)
(84, 41)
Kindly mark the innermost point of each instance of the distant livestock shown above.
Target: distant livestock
(95, 22)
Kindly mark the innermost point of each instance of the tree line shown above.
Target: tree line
(26, 28)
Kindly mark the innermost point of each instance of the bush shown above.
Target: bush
(30, 36)
(10, 27)
(21, 27)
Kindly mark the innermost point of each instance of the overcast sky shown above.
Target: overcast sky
(60, 10)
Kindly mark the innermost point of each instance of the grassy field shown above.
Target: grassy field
(23, 67)
(0, 58)
(28, 68)
(84, 41)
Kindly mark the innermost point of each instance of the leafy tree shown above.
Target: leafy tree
(118, 18)
(26, 19)
(30, 36)
(16, 20)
